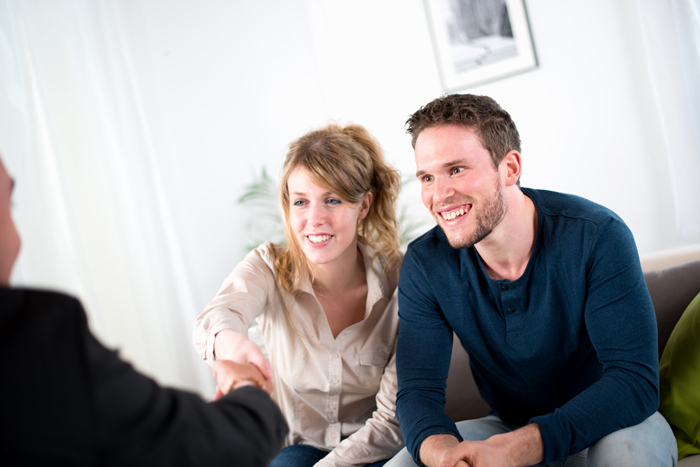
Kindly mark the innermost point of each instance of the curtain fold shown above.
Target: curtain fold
(671, 41)
(92, 210)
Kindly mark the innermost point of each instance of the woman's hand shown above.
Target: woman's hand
(234, 346)
(231, 375)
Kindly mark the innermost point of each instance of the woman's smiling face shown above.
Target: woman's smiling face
(324, 225)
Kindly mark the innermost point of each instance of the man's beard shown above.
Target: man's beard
(488, 217)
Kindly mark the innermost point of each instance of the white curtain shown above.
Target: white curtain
(89, 199)
(671, 36)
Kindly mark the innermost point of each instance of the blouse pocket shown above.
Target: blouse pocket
(376, 357)
(371, 366)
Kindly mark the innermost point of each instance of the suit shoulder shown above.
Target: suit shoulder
(40, 307)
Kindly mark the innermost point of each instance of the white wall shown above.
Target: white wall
(234, 84)
(226, 85)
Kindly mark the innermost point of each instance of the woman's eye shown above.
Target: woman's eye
(333, 201)
(298, 202)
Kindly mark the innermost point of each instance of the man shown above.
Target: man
(546, 294)
(67, 400)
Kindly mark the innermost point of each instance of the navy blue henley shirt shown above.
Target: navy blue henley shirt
(570, 345)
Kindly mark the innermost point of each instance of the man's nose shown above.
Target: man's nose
(442, 189)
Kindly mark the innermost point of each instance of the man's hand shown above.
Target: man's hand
(519, 448)
(234, 346)
(230, 375)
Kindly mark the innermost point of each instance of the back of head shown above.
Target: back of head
(349, 162)
(493, 125)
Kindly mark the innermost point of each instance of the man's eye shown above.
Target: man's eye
(427, 179)
(456, 170)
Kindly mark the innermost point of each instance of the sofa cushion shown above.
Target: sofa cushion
(671, 290)
(679, 371)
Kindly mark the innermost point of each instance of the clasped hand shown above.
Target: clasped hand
(239, 359)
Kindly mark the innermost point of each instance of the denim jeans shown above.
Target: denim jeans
(651, 443)
(302, 455)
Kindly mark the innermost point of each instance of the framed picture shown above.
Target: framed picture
(477, 41)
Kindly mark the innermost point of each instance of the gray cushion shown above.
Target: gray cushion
(671, 291)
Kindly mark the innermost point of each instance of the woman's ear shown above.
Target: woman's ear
(364, 206)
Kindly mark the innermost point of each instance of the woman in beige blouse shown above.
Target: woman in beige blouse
(326, 303)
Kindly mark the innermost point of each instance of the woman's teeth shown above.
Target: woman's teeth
(318, 238)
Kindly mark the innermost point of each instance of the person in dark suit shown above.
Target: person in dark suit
(68, 400)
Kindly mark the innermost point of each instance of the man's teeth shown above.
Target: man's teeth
(318, 238)
(448, 216)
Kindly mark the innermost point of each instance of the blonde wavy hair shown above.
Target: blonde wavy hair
(347, 161)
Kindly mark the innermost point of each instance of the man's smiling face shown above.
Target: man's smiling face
(459, 184)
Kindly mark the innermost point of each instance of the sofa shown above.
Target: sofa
(673, 280)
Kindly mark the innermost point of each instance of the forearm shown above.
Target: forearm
(226, 343)
(434, 448)
(524, 446)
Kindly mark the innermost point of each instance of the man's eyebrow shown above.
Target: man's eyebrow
(444, 166)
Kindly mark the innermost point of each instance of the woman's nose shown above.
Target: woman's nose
(317, 215)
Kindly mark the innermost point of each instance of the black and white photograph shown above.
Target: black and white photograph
(477, 41)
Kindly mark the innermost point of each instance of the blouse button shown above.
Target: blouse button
(334, 355)
(504, 287)
(511, 310)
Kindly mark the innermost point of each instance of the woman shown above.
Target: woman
(326, 303)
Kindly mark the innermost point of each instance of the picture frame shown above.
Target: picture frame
(479, 41)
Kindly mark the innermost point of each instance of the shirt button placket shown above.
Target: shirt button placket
(335, 381)
(505, 298)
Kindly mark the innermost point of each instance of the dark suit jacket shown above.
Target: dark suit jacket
(67, 400)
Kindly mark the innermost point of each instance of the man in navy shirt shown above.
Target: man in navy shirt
(545, 292)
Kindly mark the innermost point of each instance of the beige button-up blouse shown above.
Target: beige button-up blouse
(337, 394)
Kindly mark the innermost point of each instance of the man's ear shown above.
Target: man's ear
(513, 165)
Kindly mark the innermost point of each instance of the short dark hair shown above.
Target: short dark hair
(493, 125)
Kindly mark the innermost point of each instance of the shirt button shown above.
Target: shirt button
(334, 355)
(504, 287)
(511, 310)
(332, 407)
(334, 381)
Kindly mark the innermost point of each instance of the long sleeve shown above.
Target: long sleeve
(380, 438)
(78, 403)
(423, 358)
(241, 298)
(620, 321)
